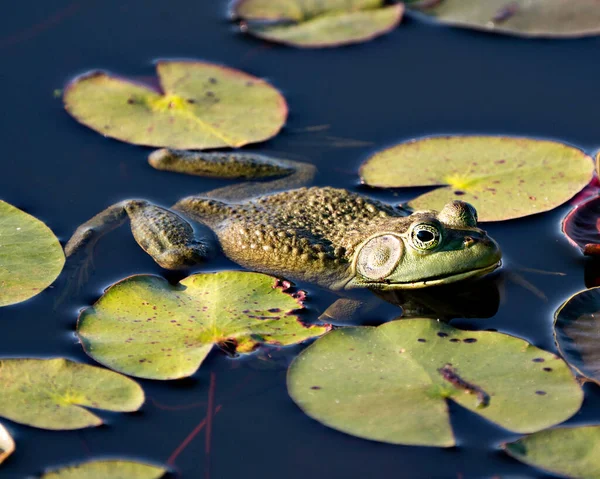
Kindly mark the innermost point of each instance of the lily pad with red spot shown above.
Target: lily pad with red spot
(503, 177)
(582, 226)
(392, 383)
(577, 332)
(198, 106)
(145, 327)
(327, 23)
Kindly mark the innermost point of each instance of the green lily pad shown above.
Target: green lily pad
(113, 469)
(145, 327)
(53, 393)
(328, 23)
(7, 444)
(391, 383)
(504, 178)
(30, 255)
(568, 451)
(577, 332)
(201, 106)
(527, 18)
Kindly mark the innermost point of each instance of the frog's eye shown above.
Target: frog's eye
(425, 236)
(379, 256)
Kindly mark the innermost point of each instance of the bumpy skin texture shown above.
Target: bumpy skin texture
(326, 236)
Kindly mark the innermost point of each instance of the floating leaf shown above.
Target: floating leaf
(114, 469)
(7, 444)
(52, 393)
(30, 255)
(328, 23)
(582, 226)
(145, 327)
(569, 451)
(391, 383)
(577, 332)
(201, 106)
(527, 18)
(504, 178)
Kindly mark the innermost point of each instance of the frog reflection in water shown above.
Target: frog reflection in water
(326, 236)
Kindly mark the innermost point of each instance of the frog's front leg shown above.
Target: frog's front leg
(161, 233)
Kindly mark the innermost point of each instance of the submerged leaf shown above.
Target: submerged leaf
(391, 383)
(577, 332)
(528, 18)
(107, 469)
(7, 444)
(53, 393)
(581, 226)
(504, 178)
(30, 255)
(145, 327)
(569, 451)
(328, 23)
(201, 106)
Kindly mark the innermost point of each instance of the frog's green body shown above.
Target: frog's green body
(326, 236)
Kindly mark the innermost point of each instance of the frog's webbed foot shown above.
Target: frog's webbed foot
(249, 166)
(161, 233)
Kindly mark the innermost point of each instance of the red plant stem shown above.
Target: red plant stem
(38, 28)
(210, 413)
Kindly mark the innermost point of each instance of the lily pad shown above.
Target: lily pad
(53, 393)
(328, 23)
(391, 383)
(201, 106)
(145, 327)
(527, 18)
(107, 469)
(568, 451)
(7, 444)
(577, 332)
(582, 226)
(504, 178)
(31, 257)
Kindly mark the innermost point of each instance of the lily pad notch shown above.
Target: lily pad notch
(145, 327)
(503, 177)
(392, 383)
(308, 24)
(199, 106)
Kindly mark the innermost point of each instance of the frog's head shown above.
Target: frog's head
(426, 249)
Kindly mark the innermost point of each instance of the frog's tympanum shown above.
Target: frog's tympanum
(327, 236)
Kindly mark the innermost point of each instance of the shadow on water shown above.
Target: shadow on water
(418, 80)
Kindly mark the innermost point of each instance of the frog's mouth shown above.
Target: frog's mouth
(435, 280)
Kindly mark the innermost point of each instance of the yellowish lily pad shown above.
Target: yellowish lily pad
(145, 327)
(328, 23)
(107, 469)
(392, 383)
(30, 255)
(568, 451)
(528, 18)
(53, 393)
(200, 106)
(503, 177)
(7, 444)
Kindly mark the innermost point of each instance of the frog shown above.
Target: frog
(275, 223)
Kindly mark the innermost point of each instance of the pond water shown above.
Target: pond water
(420, 79)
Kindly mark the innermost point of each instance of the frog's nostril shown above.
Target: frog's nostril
(468, 241)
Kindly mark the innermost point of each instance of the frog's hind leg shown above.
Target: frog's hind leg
(161, 233)
(283, 174)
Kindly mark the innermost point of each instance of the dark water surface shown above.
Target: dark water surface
(420, 79)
